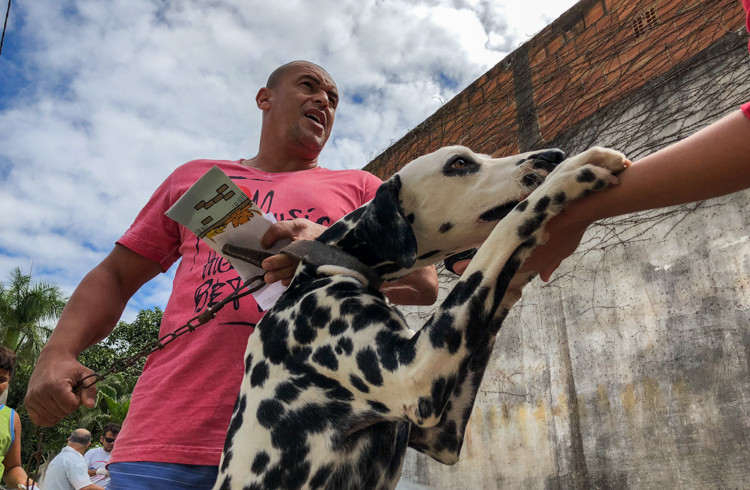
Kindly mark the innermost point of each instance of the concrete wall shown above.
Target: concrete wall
(631, 369)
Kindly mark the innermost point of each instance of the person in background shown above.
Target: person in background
(11, 470)
(98, 457)
(67, 470)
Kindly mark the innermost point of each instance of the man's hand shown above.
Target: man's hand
(50, 396)
(281, 267)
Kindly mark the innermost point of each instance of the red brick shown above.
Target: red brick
(593, 16)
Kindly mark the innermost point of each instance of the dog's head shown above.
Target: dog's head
(444, 203)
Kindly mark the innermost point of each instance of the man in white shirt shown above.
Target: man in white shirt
(67, 470)
(98, 457)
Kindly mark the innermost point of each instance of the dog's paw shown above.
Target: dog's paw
(593, 170)
(605, 158)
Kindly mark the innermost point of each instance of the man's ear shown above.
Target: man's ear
(385, 228)
(263, 98)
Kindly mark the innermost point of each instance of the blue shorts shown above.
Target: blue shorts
(145, 475)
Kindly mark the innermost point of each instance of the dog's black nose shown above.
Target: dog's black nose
(548, 159)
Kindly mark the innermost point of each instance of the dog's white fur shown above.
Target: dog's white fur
(336, 384)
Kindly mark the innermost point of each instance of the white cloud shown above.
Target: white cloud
(111, 96)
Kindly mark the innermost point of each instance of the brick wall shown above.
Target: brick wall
(595, 54)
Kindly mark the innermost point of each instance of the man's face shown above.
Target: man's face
(108, 441)
(303, 106)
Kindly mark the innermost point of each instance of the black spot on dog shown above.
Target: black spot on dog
(273, 335)
(320, 477)
(586, 175)
(448, 438)
(407, 352)
(297, 358)
(445, 227)
(463, 290)
(599, 185)
(326, 357)
(234, 426)
(350, 306)
(386, 341)
(226, 484)
(542, 204)
(340, 393)
(444, 335)
(304, 332)
(498, 212)
(522, 206)
(342, 478)
(560, 198)
(367, 362)
(308, 305)
(260, 462)
(287, 392)
(531, 225)
(269, 413)
(260, 374)
(358, 383)
(424, 409)
(321, 316)
(337, 327)
(372, 314)
(429, 254)
(248, 363)
(273, 477)
(441, 390)
(477, 315)
(346, 345)
(378, 406)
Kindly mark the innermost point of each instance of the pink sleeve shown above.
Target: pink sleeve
(152, 234)
(746, 4)
(371, 186)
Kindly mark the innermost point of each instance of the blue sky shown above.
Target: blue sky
(99, 101)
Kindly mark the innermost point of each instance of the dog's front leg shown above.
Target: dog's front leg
(452, 350)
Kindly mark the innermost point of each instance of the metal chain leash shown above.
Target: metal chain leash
(35, 460)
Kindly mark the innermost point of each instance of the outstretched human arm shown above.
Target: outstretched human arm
(712, 162)
(90, 315)
(417, 288)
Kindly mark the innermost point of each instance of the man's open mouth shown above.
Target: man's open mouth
(316, 116)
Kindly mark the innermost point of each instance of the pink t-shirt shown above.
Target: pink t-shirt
(183, 401)
(746, 4)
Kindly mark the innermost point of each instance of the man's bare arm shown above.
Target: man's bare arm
(90, 315)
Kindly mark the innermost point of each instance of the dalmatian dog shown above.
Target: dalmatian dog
(336, 385)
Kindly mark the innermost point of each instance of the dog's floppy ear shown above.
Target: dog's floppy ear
(386, 230)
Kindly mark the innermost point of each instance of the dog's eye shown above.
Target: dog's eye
(460, 165)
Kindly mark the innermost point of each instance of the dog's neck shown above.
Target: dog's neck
(353, 234)
(332, 260)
